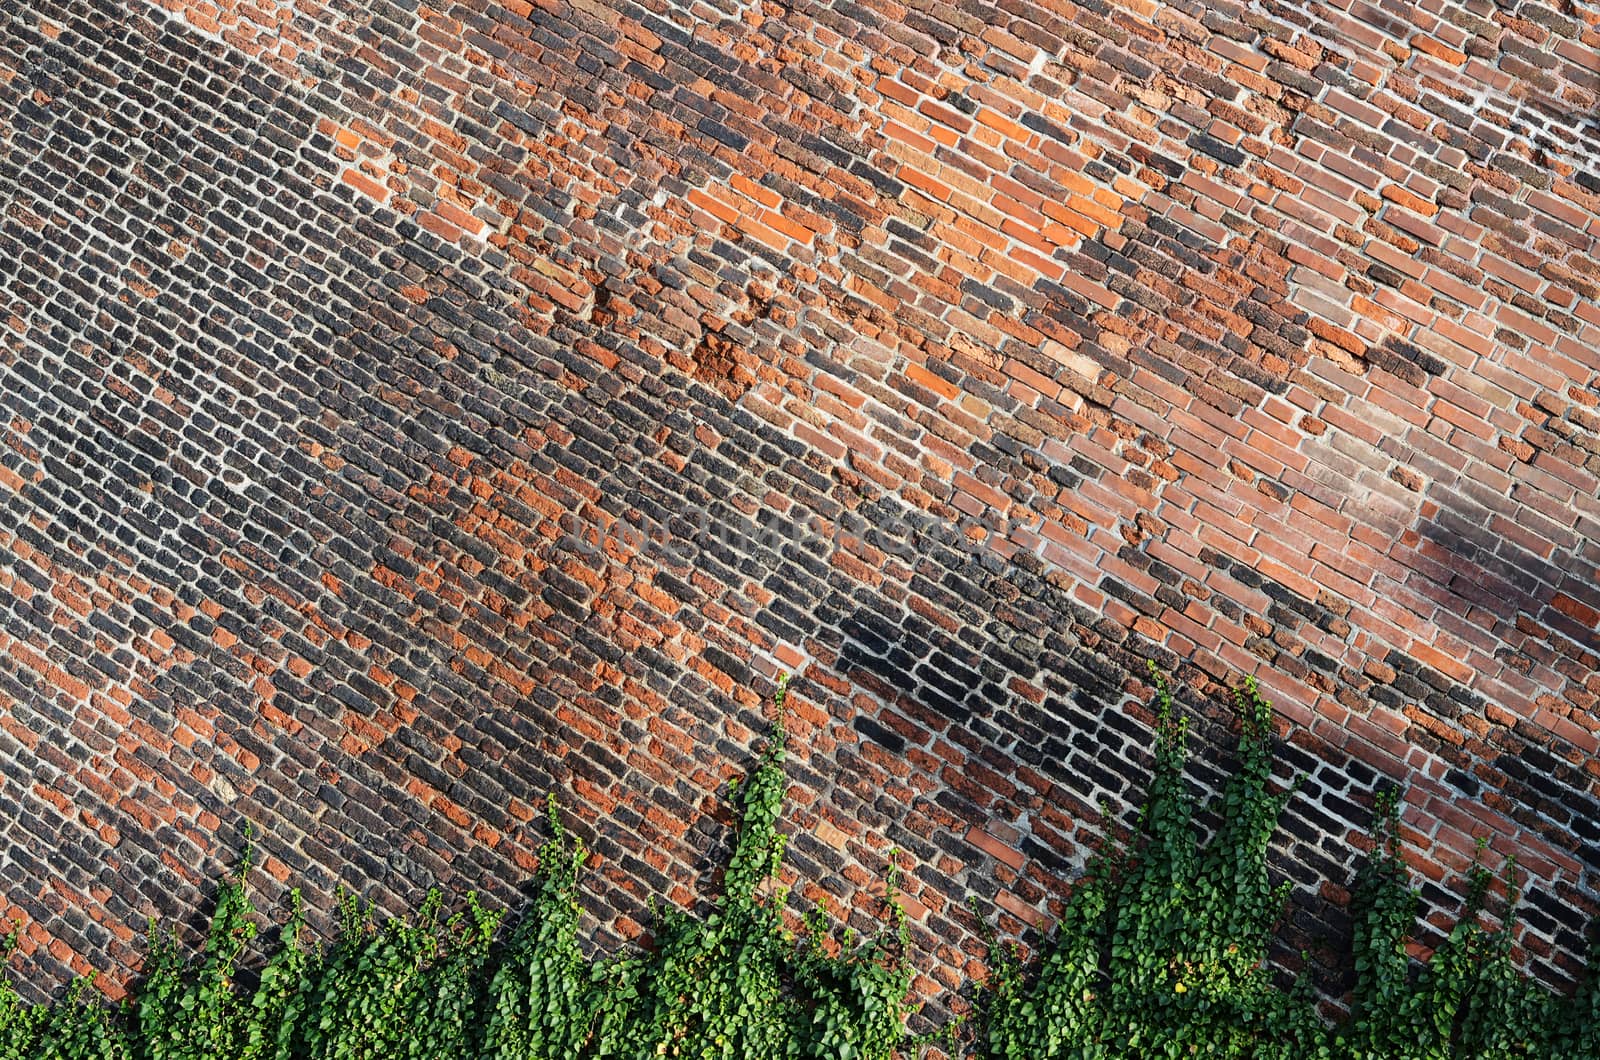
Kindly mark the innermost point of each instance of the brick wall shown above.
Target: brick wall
(411, 410)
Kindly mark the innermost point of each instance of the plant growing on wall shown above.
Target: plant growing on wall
(735, 984)
(1162, 949)
(1161, 952)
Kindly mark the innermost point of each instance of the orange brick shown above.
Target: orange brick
(1445, 664)
(757, 230)
(1415, 203)
(897, 91)
(924, 182)
(1438, 50)
(1094, 210)
(1001, 124)
(749, 188)
(797, 232)
(922, 377)
(895, 131)
(715, 207)
(1073, 219)
(365, 185)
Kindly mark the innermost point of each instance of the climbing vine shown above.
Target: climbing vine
(1161, 951)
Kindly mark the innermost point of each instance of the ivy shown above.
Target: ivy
(1161, 951)
(197, 1015)
(1162, 948)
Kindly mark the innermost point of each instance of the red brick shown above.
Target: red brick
(993, 847)
(1226, 332)
(459, 217)
(1582, 614)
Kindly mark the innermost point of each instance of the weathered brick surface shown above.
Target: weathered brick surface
(410, 410)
